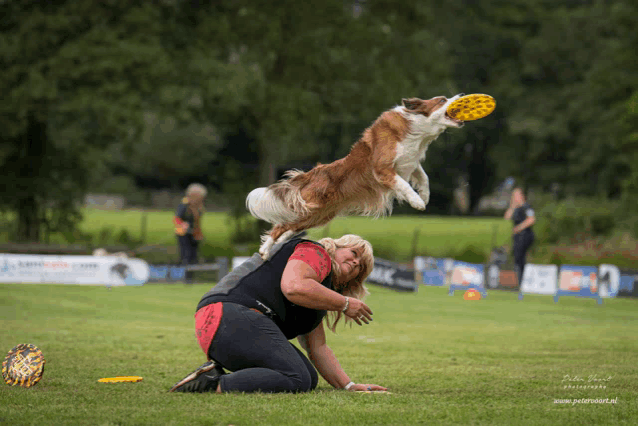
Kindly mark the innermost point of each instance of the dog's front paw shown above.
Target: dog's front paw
(417, 203)
(425, 196)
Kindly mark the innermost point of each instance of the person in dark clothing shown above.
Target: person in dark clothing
(245, 322)
(522, 215)
(187, 222)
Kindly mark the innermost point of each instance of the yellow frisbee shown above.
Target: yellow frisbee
(121, 379)
(471, 107)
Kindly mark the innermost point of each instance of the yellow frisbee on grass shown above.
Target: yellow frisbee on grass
(121, 379)
(471, 107)
(23, 365)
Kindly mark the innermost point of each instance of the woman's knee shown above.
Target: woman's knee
(302, 378)
(314, 379)
(309, 376)
(300, 381)
(310, 381)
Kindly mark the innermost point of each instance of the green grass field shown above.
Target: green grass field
(392, 237)
(498, 361)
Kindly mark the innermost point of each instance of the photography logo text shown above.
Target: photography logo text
(592, 381)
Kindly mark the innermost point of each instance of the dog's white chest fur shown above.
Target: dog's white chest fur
(410, 153)
(411, 150)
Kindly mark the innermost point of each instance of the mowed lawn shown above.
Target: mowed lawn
(394, 236)
(497, 361)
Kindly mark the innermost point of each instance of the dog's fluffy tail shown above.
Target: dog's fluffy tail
(277, 204)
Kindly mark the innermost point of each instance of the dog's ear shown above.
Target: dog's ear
(412, 104)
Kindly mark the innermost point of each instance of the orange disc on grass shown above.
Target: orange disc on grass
(472, 294)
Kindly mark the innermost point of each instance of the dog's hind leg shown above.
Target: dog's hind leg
(285, 236)
(269, 240)
(266, 245)
(405, 192)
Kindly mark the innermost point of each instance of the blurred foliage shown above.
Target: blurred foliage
(576, 219)
(227, 93)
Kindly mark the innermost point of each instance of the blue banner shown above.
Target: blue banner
(579, 281)
(628, 283)
(433, 271)
(160, 273)
(467, 275)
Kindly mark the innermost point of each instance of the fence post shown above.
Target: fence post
(223, 268)
(143, 231)
(494, 235)
(415, 240)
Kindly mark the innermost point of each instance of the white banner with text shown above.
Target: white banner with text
(87, 270)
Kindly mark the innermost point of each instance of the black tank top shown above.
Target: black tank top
(519, 215)
(257, 284)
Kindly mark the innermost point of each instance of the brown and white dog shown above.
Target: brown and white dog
(365, 182)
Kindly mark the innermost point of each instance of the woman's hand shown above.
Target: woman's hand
(367, 387)
(358, 311)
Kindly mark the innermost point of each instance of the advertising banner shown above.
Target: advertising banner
(580, 281)
(501, 277)
(166, 273)
(392, 275)
(608, 280)
(467, 275)
(539, 279)
(433, 271)
(87, 270)
(628, 283)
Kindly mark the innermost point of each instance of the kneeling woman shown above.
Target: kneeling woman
(244, 323)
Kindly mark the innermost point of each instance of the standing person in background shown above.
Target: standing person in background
(188, 224)
(523, 217)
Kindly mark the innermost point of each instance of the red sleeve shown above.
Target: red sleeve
(315, 256)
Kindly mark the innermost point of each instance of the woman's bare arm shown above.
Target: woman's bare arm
(326, 362)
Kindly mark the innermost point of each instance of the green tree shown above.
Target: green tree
(318, 72)
(625, 66)
(167, 153)
(76, 77)
(567, 92)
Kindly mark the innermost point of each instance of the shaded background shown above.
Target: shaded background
(131, 97)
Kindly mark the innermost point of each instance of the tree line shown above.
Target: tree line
(232, 93)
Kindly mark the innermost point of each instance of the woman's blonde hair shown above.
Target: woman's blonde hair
(354, 287)
(196, 188)
(196, 208)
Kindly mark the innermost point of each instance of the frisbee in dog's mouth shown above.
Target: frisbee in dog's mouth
(454, 119)
(471, 107)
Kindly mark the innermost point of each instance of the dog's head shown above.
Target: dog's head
(435, 109)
